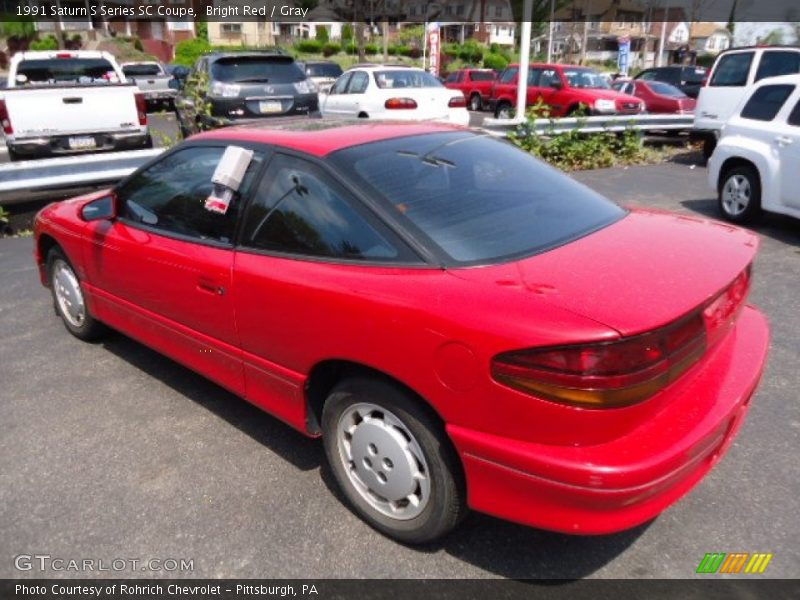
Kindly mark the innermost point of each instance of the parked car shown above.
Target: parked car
(322, 73)
(67, 102)
(755, 165)
(732, 77)
(688, 79)
(475, 84)
(243, 86)
(397, 93)
(658, 97)
(566, 89)
(153, 81)
(450, 314)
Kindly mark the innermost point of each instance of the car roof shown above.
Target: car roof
(233, 54)
(793, 78)
(320, 137)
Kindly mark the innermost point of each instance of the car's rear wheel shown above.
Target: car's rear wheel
(69, 299)
(740, 194)
(392, 460)
(475, 102)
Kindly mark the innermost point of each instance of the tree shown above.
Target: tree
(322, 34)
(773, 38)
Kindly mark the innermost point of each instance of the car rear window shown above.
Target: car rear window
(766, 102)
(694, 74)
(141, 70)
(257, 69)
(405, 78)
(481, 76)
(665, 89)
(55, 71)
(323, 70)
(775, 63)
(732, 70)
(480, 200)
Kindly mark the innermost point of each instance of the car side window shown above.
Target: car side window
(509, 75)
(452, 78)
(732, 70)
(794, 117)
(341, 84)
(647, 75)
(766, 102)
(358, 83)
(460, 77)
(171, 194)
(774, 63)
(533, 76)
(299, 209)
(548, 77)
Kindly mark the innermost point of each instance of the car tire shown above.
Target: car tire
(392, 460)
(69, 298)
(739, 196)
(148, 141)
(14, 157)
(475, 102)
(503, 111)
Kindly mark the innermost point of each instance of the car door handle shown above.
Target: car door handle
(783, 140)
(209, 286)
(72, 100)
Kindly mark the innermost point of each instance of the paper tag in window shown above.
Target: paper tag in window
(219, 200)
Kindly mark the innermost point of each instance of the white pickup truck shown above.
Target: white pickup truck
(67, 102)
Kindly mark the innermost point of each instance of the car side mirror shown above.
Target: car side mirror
(556, 85)
(104, 208)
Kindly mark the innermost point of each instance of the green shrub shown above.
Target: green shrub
(471, 51)
(322, 34)
(451, 49)
(372, 49)
(347, 33)
(188, 51)
(392, 50)
(351, 48)
(309, 46)
(574, 150)
(48, 43)
(331, 48)
(495, 61)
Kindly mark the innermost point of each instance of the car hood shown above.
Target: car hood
(637, 274)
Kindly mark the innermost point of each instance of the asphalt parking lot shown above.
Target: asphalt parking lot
(110, 450)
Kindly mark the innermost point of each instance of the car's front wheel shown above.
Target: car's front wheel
(69, 299)
(740, 194)
(504, 110)
(392, 460)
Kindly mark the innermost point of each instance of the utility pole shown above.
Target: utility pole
(524, 59)
(550, 35)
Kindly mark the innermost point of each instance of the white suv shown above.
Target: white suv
(732, 77)
(757, 160)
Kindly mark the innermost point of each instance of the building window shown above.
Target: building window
(232, 28)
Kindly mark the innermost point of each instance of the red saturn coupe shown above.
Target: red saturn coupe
(463, 325)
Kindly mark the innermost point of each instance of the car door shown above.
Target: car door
(790, 157)
(355, 101)
(161, 271)
(725, 89)
(334, 104)
(298, 276)
(551, 90)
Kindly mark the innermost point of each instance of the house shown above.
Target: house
(486, 21)
(710, 38)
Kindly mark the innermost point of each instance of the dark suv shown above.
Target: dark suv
(689, 80)
(243, 86)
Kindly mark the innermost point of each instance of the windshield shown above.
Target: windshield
(586, 78)
(478, 199)
(405, 78)
(323, 70)
(257, 69)
(665, 89)
(141, 70)
(53, 71)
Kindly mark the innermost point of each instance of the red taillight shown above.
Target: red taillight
(5, 120)
(141, 108)
(400, 103)
(63, 55)
(457, 102)
(625, 371)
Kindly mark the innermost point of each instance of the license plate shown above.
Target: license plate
(270, 107)
(82, 143)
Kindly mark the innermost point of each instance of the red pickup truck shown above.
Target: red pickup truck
(565, 89)
(475, 84)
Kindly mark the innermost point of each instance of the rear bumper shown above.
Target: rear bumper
(620, 484)
(60, 145)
